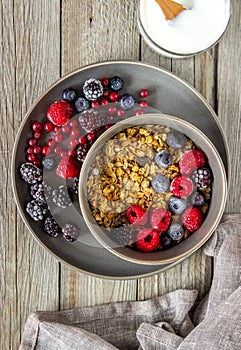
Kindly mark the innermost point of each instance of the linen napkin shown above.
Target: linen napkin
(162, 323)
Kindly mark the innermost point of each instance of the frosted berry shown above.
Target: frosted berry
(177, 205)
(202, 177)
(37, 126)
(163, 159)
(61, 198)
(59, 113)
(92, 89)
(81, 104)
(30, 173)
(40, 190)
(136, 215)
(147, 240)
(192, 218)
(127, 101)
(197, 199)
(160, 219)
(175, 231)
(116, 83)
(37, 209)
(69, 94)
(51, 227)
(176, 139)
(70, 232)
(181, 186)
(90, 120)
(76, 185)
(160, 183)
(82, 151)
(191, 160)
(124, 235)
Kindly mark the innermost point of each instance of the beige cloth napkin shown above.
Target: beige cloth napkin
(161, 323)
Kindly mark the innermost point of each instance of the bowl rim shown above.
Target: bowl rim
(97, 230)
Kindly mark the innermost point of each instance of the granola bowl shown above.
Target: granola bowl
(152, 189)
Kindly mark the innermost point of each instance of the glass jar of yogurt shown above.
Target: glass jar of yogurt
(194, 30)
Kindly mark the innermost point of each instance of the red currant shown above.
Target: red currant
(37, 149)
(91, 136)
(57, 150)
(50, 142)
(37, 135)
(72, 153)
(120, 112)
(94, 104)
(36, 126)
(48, 127)
(36, 162)
(82, 140)
(63, 154)
(32, 142)
(104, 102)
(105, 81)
(58, 137)
(106, 92)
(65, 129)
(73, 123)
(45, 150)
(56, 128)
(72, 143)
(30, 150)
(143, 104)
(112, 110)
(139, 112)
(144, 93)
(31, 157)
(113, 96)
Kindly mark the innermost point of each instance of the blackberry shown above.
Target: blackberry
(116, 83)
(70, 232)
(82, 151)
(124, 235)
(76, 185)
(69, 94)
(90, 120)
(127, 101)
(61, 198)
(202, 177)
(81, 104)
(92, 89)
(30, 173)
(48, 163)
(51, 227)
(40, 190)
(37, 209)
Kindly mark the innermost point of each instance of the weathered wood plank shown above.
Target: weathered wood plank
(229, 101)
(99, 31)
(30, 62)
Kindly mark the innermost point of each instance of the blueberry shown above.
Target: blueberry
(163, 159)
(69, 94)
(197, 199)
(177, 205)
(160, 183)
(176, 139)
(81, 104)
(127, 101)
(116, 83)
(166, 241)
(175, 232)
(48, 163)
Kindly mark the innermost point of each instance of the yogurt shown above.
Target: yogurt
(193, 30)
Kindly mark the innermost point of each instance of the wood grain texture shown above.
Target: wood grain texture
(30, 63)
(87, 37)
(229, 101)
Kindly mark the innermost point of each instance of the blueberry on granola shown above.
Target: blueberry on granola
(176, 139)
(175, 231)
(163, 159)
(160, 183)
(197, 199)
(177, 205)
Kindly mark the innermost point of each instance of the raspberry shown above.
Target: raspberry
(92, 89)
(160, 219)
(191, 160)
(51, 227)
(192, 218)
(59, 112)
(181, 186)
(147, 240)
(68, 168)
(30, 173)
(70, 232)
(136, 215)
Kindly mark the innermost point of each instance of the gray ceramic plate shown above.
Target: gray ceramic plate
(169, 95)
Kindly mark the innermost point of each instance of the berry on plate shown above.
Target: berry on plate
(160, 219)
(181, 186)
(68, 168)
(160, 183)
(69, 94)
(59, 112)
(127, 101)
(51, 227)
(136, 215)
(147, 240)
(191, 160)
(92, 89)
(61, 197)
(192, 218)
(175, 231)
(163, 159)
(70, 232)
(30, 173)
(116, 83)
(81, 104)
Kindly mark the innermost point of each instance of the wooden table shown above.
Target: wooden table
(41, 41)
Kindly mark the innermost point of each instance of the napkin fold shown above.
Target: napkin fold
(162, 323)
